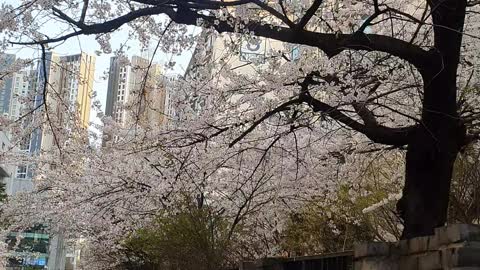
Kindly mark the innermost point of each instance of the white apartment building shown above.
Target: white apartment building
(22, 87)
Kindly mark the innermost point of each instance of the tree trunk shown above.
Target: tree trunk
(429, 165)
(434, 145)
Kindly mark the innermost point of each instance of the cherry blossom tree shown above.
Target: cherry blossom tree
(374, 76)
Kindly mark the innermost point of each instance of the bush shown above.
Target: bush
(192, 239)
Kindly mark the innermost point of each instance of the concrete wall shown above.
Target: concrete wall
(455, 247)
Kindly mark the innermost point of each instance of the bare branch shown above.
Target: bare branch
(44, 96)
(84, 11)
(60, 14)
(364, 113)
(282, 6)
(274, 12)
(309, 14)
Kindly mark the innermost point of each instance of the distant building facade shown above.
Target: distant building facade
(6, 60)
(68, 81)
(6, 170)
(136, 93)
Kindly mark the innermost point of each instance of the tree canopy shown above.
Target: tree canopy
(259, 138)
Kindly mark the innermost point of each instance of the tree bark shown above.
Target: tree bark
(429, 165)
(434, 145)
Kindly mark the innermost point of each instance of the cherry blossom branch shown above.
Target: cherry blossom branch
(331, 44)
(377, 133)
(370, 126)
(214, 5)
(387, 9)
(309, 14)
(423, 18)
(282, 107)
(44, 97)
(28, 113)
(364, 113)
(275, 13)
(282, 6)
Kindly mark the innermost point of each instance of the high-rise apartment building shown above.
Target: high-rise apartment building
(23, 86)
(251, 56)
(170, 112)
(69, 88)
(136, 93)
(68, 81)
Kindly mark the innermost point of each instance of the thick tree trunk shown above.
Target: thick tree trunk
(434, 145)
(429, 165)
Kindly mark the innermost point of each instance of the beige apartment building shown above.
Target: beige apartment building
(70, 78)
(136, 94)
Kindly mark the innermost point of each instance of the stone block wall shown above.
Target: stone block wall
(454, 247)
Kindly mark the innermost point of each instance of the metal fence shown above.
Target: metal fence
(333, 261)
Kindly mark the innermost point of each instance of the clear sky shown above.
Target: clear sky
(89, 45)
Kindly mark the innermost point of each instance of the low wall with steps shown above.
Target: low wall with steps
(454, 247)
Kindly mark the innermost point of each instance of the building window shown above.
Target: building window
(295, 53)
(25, 144)
(22, 172)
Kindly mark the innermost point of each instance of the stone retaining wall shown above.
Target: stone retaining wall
(455, 247)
